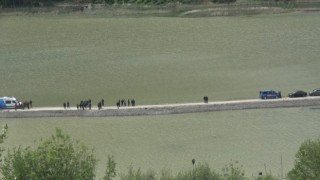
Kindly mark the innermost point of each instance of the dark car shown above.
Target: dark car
(297, 94)
(315, 92)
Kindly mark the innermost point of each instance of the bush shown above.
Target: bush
(200, 172)
(223, 1)
(267, 177)
(3, 136)
(307, 163)
(138, 175)
(111, 169)
(56, 158)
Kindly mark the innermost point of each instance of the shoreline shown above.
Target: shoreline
(147, 110)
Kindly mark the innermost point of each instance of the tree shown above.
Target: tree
(307, 163)
(56, 158)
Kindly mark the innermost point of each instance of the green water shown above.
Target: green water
(253, 137)
(53, 59)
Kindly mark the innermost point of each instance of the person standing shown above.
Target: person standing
(102, 102)
(64, 105)
(118, 104)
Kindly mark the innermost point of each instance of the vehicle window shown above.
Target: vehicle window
(8, 102)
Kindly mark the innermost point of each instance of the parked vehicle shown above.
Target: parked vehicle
(269, 94)
(297, 94)
(9, 103)
(315, 92)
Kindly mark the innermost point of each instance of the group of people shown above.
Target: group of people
(124, 102)
(66, 105)
(23, 105)
(86, 104)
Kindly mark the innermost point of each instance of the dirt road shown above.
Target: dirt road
(161, 109)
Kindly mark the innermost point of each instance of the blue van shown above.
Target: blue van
(8, 102)
(269, 94)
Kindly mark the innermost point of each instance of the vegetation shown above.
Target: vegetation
(157, 142)
(267, 177)
(61, 158)
(56, 158)
(111, 169)
(307, 163)
(37, 3)
(199, 172)
(3, 136)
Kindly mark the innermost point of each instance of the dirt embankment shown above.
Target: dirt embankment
(162, 109)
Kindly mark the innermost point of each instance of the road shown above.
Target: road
(162, 109)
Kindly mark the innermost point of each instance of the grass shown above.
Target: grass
(53, 59)
(253, 137)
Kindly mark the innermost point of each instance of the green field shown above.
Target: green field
(52, 59)
(253, 137)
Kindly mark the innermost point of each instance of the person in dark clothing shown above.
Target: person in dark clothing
(89, 106)
(81, 104)
(102, 102)
(99, 105)
(30, 103)
(133, 102)
(77, 106)
(68, 105)
(64, 105)
(118, 104)
(128, 102)
(205, 99)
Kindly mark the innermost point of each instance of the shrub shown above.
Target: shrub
(307, 163)
(233, 172)
(138, 175)
(111, 169)
(56, 158)
(200, 172)
(3, 136)
(267, 177)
